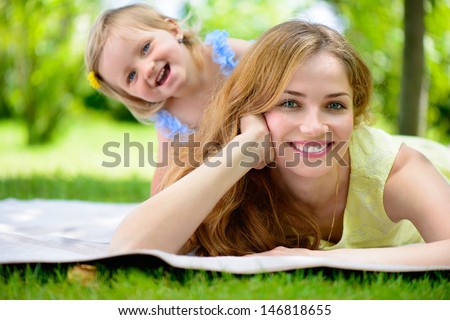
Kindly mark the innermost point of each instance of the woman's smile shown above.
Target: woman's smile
(312, 149)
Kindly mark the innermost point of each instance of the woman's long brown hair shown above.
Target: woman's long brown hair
(257, 214)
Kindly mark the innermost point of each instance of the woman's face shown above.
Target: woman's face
(312, 123)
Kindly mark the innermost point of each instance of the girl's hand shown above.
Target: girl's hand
(256, 142)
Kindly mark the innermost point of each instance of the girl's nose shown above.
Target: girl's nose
(313, 125)
(148, 68)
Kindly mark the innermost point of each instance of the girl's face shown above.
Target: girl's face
(150, 65)
(312, 123)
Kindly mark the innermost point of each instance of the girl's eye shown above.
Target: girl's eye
(335, 106)
(146, 48)
(131, 76)
(289, 104)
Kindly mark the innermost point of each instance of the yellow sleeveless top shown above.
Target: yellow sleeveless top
(372, 154)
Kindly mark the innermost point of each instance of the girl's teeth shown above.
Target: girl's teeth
(161, 74)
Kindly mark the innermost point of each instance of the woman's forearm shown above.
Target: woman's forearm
(422, 254)
(432, 254)
(167, 220)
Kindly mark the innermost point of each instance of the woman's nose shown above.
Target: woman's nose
(313, 124)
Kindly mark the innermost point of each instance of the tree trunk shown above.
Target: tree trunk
(414, 91)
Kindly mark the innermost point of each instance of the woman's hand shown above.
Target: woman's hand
(255, 141)
(283, 251)
(434, 254)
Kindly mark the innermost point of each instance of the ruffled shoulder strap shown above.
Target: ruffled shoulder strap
(223, 55)
(169, 124)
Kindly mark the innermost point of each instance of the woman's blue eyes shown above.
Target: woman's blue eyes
(335, 106)
(290, 104)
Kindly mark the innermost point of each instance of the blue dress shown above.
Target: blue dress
(223, 55)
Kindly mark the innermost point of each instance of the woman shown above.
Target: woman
(295, 109)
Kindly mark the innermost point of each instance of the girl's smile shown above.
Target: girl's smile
(163, 75)
(149, 65)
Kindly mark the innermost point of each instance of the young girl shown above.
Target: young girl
(295, 108)
(160, 71)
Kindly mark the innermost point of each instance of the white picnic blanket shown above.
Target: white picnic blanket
(70, 231)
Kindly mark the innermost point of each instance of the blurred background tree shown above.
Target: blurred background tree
(41, 63)
(414, 87)
(43, 77)
(376, 29)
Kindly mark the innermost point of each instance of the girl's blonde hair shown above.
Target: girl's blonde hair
(122, 20)
(257, 213)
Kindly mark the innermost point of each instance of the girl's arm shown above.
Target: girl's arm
(238, 46)
(167, 220)
(163, 156)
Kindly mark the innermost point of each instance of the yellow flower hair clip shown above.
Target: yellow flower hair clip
(93, 81)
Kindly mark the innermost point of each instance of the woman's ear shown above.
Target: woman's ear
(175, 28)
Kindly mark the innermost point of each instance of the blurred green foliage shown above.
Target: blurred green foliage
(244, 19)
(43, 76)
(375, 28)
(41, 62)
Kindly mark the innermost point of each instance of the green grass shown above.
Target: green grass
(37, 282)
(131, 189)
(70, 168)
